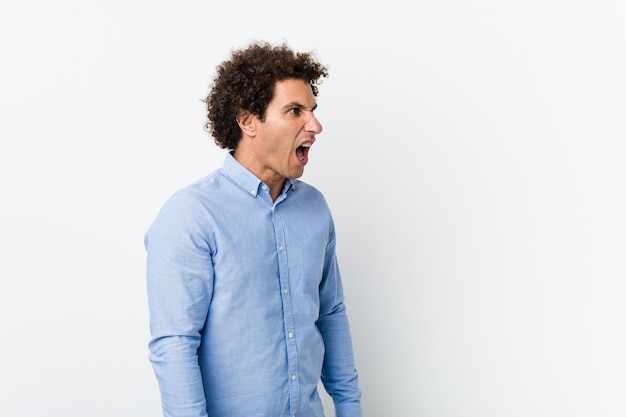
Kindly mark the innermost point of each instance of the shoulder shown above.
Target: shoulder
(307, 190)
(309, 201)
(183, 214)
(188, 199)
(197, 192)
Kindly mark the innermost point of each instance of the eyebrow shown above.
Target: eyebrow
(298, 105)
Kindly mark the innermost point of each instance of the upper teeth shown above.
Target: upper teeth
(306, 145)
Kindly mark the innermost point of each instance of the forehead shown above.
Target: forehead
(293, 90)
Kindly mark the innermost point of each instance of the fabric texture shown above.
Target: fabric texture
(246, 301)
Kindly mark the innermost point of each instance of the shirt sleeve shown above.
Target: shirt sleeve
(179, 276)
(339, 374)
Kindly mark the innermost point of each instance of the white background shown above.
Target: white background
(473, 155)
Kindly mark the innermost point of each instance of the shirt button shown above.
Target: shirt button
(253, 192)
(264, 187)
(281, 247)
(290, 335)
(285, 291)
(293, 377)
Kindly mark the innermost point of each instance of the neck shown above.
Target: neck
(269, 177)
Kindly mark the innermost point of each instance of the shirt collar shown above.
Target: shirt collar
(246, 179)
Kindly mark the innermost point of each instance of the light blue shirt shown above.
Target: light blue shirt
(246, 302)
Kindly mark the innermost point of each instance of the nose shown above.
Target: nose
(313, 125)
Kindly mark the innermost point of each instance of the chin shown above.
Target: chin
(296, 175)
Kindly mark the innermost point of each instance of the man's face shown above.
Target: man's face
(289, 130)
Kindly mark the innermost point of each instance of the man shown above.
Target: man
(246, 303)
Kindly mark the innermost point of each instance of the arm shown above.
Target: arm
(339, 374)
(179, 283)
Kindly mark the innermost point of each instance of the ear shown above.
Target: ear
(246, 122)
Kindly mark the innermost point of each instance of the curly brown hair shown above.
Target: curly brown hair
(246, 82)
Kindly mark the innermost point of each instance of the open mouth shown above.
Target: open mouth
(302, 151)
